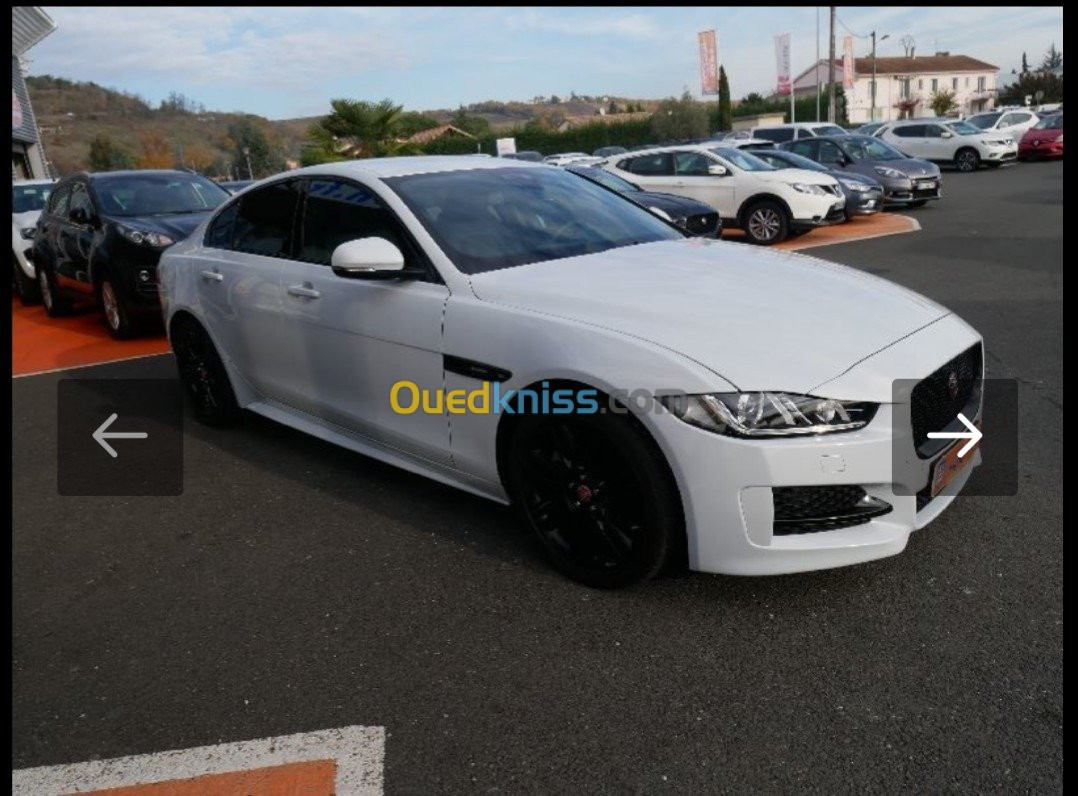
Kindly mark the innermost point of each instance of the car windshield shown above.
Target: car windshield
(1051, 123)
(743, 160)
(791, 160)
(963, 128)
(984, 121)
(861, 147)
(157, 194)
(828, 129)
(606, 179)
(487, 219)
(25, 198)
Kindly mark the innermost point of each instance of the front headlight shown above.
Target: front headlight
(801, 187)
(887, 171)
(661, 213)
(27, 233)
(769, 414)
(854, 185)
(142, 237)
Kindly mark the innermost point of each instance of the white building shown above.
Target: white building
(29, 25)
(905, 85)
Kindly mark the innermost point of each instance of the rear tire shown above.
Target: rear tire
(766, 223)
(25, 287)
(967, 160)
(203, 375)
(598, 496)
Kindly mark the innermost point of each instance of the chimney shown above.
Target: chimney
(943, 52)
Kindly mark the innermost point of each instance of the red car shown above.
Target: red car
(1043, 140)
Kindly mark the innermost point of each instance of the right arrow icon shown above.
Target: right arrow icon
(973, 435)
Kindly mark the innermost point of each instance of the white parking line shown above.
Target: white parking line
(358, 754)
(88, 365)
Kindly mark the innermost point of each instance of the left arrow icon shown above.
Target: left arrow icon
(103, 434)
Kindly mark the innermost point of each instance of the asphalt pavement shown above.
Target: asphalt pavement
(295, 586)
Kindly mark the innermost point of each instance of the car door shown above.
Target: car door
(238, 283)
(653, 172)
(938, 143)
(692, 179)
(75, 239)
(46, 248)
(806, 147)
(349, 341)
(910, 139)
(829, 154)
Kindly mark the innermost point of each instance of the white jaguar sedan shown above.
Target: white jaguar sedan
(645, 399)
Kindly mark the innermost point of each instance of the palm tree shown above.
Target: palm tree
(358, 129)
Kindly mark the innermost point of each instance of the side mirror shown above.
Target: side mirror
(369, 258)
(717, 170)
(946, 134)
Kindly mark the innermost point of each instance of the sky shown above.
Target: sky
(289, 62)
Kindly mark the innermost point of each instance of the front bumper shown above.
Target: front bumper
(727, 486)
(906, 191)
(864, 203)
(1000, 154)
(1041, 149)
(835, 214)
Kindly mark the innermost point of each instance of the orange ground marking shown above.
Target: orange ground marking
(313, 778)
(858, 228)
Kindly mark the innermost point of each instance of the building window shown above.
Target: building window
(904, 88)
(967, 82)
(935, 85)
(954, 84)
(920, 84)
(981, 83)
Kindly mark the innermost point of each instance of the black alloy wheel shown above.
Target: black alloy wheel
(597, 495)
(967, 160)
(203, 375)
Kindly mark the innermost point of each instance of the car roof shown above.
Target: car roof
(383, 168)
(32, 182)
(94, 175)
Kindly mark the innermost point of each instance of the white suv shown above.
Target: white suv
(951, 141)
(781, 133)
(767, 203)
(1012, 122)
(28, 197)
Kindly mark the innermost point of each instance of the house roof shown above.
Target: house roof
(29, 25)
(434, 133)
(902, 65)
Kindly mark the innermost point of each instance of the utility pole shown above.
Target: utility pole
(831, 73)
(885, 36)
(816, 69)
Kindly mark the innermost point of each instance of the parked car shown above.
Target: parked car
(1014, 122)
(235, 186)
(609, 151)
(768, 204)
(28, 197)
(870, 128)
(526, 155)
(780, 133)
(949, 141)
(565, 158)
(100, 236)
(907, 181)
(749, 143)
(344, 291)
(1043, 140)
(696, 218)
(864, 195)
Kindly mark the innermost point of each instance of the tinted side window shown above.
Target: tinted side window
(808, 148)
(219, 234)
(652, 165)
(910, 131)
(829, 152)
(80, 199)
(690, 164)
(337, 212)
(933, 131)
(776, 134)
(265, 219)
(61, 198)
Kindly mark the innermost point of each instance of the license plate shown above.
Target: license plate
(926, 184)
(948, 466)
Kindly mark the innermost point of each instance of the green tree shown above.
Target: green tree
(724, 117)
(1028, 84)
(942, 102)
(249, 141)
(105, 155)
(411, 122)
(612, 108)
(676, 119)
(1053, 59)
(357, 128)
(1025, 64)
(476, 125)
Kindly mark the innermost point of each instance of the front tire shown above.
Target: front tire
(25, 287)
(967, 160)
(55, 305)
(766, 223)
(203, 375)
(114, 309)
(597, 495)
(918, 203)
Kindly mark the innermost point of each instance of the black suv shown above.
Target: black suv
(100, 236)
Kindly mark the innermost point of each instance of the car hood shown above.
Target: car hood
(911, 167)
(1042, 135)
(669, 203)
(24, 220)
(759, 318)
(795, 175)
(176, 225)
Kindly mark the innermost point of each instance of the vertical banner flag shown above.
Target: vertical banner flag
(847, 62)
(782, 62)
(709, 62)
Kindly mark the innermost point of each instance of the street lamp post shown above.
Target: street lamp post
(882, 38)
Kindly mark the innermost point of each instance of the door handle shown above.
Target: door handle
(213, 276)
(303, 291)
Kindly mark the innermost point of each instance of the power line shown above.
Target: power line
(843, 24)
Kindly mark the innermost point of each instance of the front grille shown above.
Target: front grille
(936, 400)
(702, 224)
(810, 509)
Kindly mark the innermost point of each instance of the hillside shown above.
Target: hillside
(72, 114)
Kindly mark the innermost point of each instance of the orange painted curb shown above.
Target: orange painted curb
(859, 228)
(314, 778)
